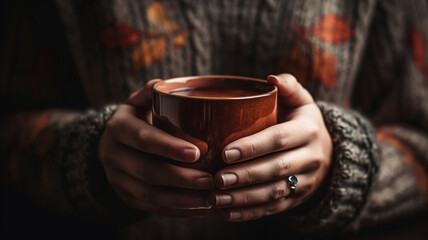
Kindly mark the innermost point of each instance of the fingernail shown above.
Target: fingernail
(201, 203)
(229, 179)
(232, 155)
(190, 154)
(223, 200)
(205, 183)
(272, 76)
(234, 215)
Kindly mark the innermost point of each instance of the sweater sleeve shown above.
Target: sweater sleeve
(379, 169)
(48, 141)
(50, 157)
(83, 178)
(392, 90)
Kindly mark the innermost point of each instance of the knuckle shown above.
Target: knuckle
(249, 148)
(244, 199)
(282, 167)
(106, 160)
(253, 148)
(248, 199)
(312, 129)
(291, 78)
(319, 158)
(142, 143)
(315, 163)
(142, 133)
(293, 83)
(278, 191)
(246, 175)
(280, 138)
(326, 163)
(111, 124)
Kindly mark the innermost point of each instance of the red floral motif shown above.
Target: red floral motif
(304, 57)
(295, 62)
(331, 29)
(150, 45)
(417, 46)
(148, 52)
(157, 14)
(121, 35)
(324, 67)
(180, 39)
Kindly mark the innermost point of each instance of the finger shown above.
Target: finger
(143, 96)
(144, 137)
(142, 196)
(255, 212)
(153, 171)
(276, 138)
(276, 206)
(268, 168)
(290, 91)
(169, 212)
(260, 194)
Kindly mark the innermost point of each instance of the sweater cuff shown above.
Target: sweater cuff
(354, 166)
(83, 177)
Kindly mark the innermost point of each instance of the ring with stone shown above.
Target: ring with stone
(292, 184)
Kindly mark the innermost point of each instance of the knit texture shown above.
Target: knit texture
(366, 55)
(84, 180)
(393, 194)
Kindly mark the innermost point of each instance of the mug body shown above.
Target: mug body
(212, 111)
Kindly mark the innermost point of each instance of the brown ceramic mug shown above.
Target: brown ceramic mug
(212, 111)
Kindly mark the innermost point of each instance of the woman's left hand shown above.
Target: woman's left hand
(298, 145)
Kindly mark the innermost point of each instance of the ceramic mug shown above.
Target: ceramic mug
(212, 111)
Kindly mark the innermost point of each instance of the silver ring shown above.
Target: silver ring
(292, 184)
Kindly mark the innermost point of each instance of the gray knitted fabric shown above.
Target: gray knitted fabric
(83, 175)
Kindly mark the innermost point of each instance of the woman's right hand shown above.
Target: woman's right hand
(128, 151)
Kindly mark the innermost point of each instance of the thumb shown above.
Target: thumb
(143, 96)
(290, 92)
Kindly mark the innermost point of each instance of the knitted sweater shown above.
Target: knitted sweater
(66, 65)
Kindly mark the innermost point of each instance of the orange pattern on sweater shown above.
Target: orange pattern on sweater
(305, 57)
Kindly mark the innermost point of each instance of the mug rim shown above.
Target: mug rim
(179, 79)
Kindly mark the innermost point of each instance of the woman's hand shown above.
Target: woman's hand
(127, 151)
(299, 145)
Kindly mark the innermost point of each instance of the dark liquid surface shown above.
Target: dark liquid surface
(215, 92)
